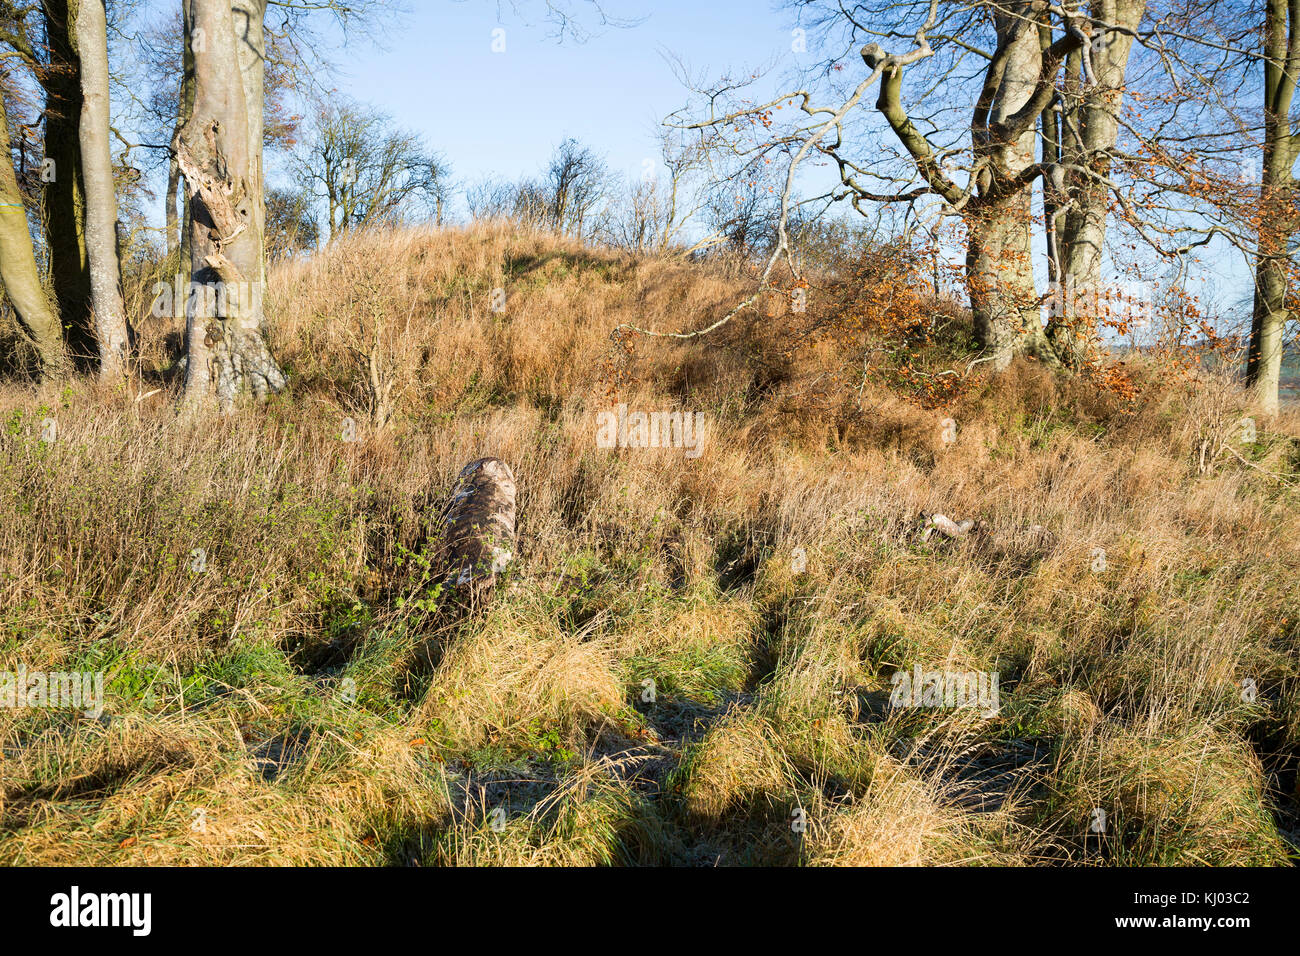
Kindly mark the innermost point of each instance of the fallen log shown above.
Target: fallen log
(477, 527)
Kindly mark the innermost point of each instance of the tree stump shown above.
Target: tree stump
(477, 526)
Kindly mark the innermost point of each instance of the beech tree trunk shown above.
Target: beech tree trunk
(249, 17)
(64, 211)
(169, 212)
(91, 32)
(184, 110)
(226, 349)
(1279, 219)
(999, 255)
(1089, 131)
(1000, 283)
(22, 282)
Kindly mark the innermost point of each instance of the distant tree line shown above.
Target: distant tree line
(1115, 135)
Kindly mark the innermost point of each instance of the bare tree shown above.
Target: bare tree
(685, 161)
(291, 225)
(1018, 71)
(655, 211)
(1080, 131)
(741, 212)
(531, 205)
(564, 197)
(489, 197)
(635, 221)
(167, 66)
(574, 183)
(367, 171)
(1019, 83)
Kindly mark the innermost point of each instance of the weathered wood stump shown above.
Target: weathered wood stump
(478, 524)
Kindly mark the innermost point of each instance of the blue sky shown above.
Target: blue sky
(502, 113)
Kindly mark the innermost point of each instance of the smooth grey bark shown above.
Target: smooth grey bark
(226, 348)
(1278, 220)
(91, 31)
(184, 110)
(1089, 131)
(1054, 198)
(250, 47)
(999, 256)
(171, 218)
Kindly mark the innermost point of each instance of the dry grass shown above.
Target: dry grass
(659, 680)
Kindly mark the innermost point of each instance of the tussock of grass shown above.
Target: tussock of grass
(518, 682)
(1174, 795)
(900, 821)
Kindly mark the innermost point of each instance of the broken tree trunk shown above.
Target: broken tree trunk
(478, 524)
(226, 349)
(1034, 537)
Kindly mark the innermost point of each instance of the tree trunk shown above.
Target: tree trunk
(249, 17)
(999, 256)
(1000, 282)
(184, 110)
(1278, 220)
(225, 345)
(64, 199)
(173, 223)
(1054, 198)
(22, 283)
(1264, 360)
(91, 32)
(1090, 131)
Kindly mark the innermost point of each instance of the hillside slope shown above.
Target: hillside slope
(692, 658)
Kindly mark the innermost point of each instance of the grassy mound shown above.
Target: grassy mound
(692, 658)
